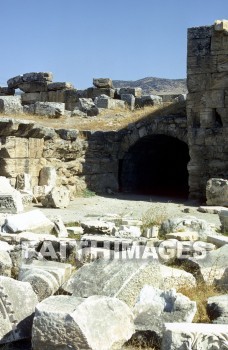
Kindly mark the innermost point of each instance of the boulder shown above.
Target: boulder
(34, 221)
(124, 278)
(96, 323)
(148, 100)
(33, 86)
(155, 307)
(189, 223)
(87, 106)
(217, 309)
(60, 86)
(16, 310)
(217, 192)
(201, 336)
(28, 78)
(102, 83)
(58, 197)
(50, 109)
(10, 105)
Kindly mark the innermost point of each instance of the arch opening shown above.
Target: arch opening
(156, 165)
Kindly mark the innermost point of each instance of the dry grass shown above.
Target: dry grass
(200, 294)
(108, 120)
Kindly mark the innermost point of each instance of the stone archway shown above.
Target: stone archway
(155, 164)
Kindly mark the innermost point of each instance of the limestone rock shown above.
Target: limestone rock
(47, 177)
(136, 92)
(96, 92)
(98, 226)
(95, 323)
(148, 100)
(6, 91)
(16, 311)
(218, 240)
(60, 86)
(221, 25)
(223, 216)
(34, 221)
(41, 191)
(5, 264)
(58, 197)
(50, 109)
(10, 105)
(102, 83)
(201, 336)
(156, 307)
(124, 278)
(60, 227)
(217, 192)
(217, 309)
(129, 99)
(211, 267)
(87, 106)
(189, 223)
(23, 182)
(183, 236)
(33, 86)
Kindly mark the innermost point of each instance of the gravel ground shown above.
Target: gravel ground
(134, 206)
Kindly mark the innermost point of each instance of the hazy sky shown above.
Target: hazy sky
(119, 39)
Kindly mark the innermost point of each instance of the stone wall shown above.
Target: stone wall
(207, 104)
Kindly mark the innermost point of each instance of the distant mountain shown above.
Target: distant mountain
(152, 85)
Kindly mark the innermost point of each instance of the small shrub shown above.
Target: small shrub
(86, 193)
(154, 216)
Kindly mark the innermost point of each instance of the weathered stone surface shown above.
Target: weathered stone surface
(11, 202)
(16, 311)
(129, 99)
(60, 227)
(95, 92)
(104, 101)
(217, 309)
(148, 100)
(190, 223)
(217, 192)
(221, 25)
(218, 240)
(223, 216)
(33, 86)
(102, 83)
(50, 109)
(34, 221)
(201, 336)
(60, 86)
(183, 236)
(58, 197)
(6, 91)
(124, 277)
(47, 176)
(28, 98)
(211, 267)
(87, 106)
(156, 307)
(211, 210)
(95, 323)
(98, 226)
(5, 263)
(41, 191)
(23, 182)
(10, 104)
(136, 92)
(45, 277)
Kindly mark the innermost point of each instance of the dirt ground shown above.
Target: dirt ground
(129, 205)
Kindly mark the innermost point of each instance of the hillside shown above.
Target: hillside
(152, 85)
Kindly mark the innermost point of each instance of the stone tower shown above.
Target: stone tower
(207, 104)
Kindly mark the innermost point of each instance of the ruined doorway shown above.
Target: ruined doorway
(156, 165)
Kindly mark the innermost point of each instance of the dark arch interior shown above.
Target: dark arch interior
(156, 165)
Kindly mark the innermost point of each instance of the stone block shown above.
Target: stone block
(198, 82)
(98, 226)
(71, 99)
(223, 216)
(37, 76)
(13, 83)
(87, 106)
(130, 100)
(23, 182)
(13, 167)
(47, 176)
(56, 96)
(154, 307)
(45, 277)
(33, 221)
(148, 100)
(94, 323)
(34, 86)
(217, 192)
(41, 191)
(125, 276)
(222, 64)
(10, 105)
(136, 92)
(103, 83)
(11, 202)
(58, 197)
(214, 99)
(199, 46)
(200, 32)
(16, 311)
(28, 98)
(194, 336)
(50, 109)
(60, 86)
(217, 309)
(218, 240)
(219, 81)
(221, 25)
(183, 236)
(6, 91)
(96, 92)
